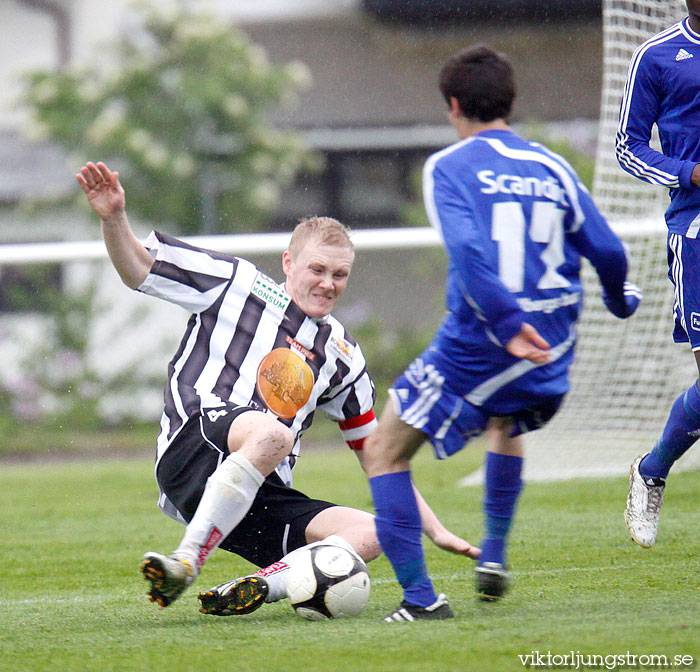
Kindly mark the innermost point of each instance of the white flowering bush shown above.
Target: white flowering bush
(182, 116)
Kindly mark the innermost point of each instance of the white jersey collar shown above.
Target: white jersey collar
(689, 32)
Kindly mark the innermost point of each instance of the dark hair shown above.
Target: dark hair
(481, 79)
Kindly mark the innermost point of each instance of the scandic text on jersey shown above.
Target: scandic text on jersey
(524, 186)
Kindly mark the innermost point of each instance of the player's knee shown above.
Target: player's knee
(279, 436)
(377, 454)
(255, 432)
(363, 538)
(369, 547)
(354, 526)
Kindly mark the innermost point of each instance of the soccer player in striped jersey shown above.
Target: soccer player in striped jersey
(663, 88)
(515, 221)
(255, 363)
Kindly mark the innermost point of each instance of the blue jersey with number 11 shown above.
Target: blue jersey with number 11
(515, 220)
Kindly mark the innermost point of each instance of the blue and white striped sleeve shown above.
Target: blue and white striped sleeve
(639, 111)
(188, 276)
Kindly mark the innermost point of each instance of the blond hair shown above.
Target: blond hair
(325, 230)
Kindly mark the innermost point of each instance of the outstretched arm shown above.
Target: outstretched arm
(106, 197)
(596, 241)
(439, 534)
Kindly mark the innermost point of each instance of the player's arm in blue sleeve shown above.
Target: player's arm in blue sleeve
(595, 240)
(638, 112)
(451, 212)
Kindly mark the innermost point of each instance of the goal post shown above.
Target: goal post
(627, 373)
(239, 244)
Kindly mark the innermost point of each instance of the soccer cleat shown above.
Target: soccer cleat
(492, 580)
(644, 500)
(235, 598)
(169, 577)
(437, 611)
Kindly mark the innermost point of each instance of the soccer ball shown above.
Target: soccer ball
(327, 581)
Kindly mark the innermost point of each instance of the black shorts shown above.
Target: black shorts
(276, 522)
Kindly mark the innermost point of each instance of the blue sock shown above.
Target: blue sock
(399, 531)
(681, 432)
(502, 488)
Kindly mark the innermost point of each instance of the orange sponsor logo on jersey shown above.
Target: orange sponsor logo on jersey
(304, 351)
(284, 381)
(342, 346)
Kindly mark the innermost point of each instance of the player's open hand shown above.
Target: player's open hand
(448, 541)
(528, 344)
(102, 188)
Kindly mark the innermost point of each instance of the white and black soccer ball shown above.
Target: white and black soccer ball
(327, 581)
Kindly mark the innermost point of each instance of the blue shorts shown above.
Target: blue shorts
(423, 401)
(684, 273)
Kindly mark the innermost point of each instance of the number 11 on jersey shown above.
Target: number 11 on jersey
(509, 228)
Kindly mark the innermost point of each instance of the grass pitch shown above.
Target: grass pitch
(72, 600)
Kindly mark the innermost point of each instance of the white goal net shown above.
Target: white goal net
(627, 373)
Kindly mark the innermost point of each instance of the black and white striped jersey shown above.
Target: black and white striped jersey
(247, 342)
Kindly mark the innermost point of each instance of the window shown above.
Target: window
(361, 188)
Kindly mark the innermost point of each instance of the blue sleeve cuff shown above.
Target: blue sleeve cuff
(684, 175)
(508, 327)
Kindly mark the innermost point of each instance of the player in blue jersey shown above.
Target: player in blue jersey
(515, 221)
(663, 88)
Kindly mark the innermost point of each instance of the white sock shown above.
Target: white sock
(276, 573)
(228, 495)
(276, 577)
